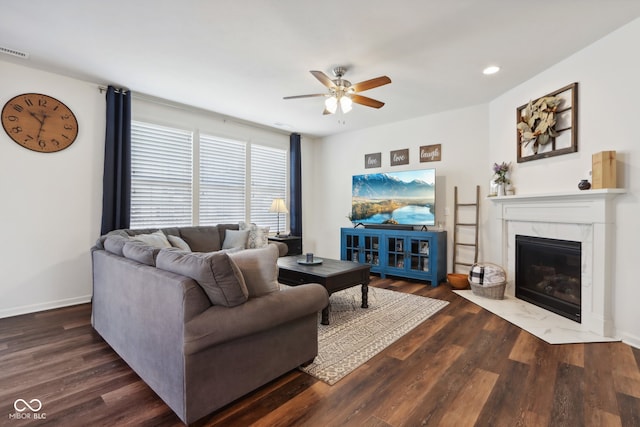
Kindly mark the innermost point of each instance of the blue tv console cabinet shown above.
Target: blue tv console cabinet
(405, 253)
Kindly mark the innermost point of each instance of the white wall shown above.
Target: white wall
(464, 136)
(145, 108)
(50, 203)
(608, 95)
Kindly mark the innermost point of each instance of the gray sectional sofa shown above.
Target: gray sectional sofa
(205, 327)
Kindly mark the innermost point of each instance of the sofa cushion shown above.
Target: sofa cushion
(171, 231)
(141, 252)
(213, 271)
(115, 243)
(201, 238)
(259, 268)
(222, 229)
(178, 242)
(157, 239)
(235, 239)
(258, 236)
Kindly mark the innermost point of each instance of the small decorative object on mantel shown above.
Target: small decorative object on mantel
(501, 180)
(584, 184)
(373, 160)
(400, 157)
(493, 188)
(548, 126)
(431, 153)
(603, 170)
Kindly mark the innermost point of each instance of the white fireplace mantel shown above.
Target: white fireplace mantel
(585, 216)
(585, 207)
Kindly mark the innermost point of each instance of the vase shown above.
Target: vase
(584, 185)
(493, 188)
(502, 190)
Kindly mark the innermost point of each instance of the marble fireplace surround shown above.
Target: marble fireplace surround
(585, 216)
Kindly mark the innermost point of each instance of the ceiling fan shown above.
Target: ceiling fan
(342, 93)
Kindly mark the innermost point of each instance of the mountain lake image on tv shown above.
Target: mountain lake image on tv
(406, 197)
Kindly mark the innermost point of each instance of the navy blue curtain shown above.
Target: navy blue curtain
(295, 184)
(116, 181)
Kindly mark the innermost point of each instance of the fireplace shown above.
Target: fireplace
(587, 217)
(548, 274)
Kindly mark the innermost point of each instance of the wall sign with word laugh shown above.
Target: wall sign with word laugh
(431, 153)
(400, 157)
(373, 160)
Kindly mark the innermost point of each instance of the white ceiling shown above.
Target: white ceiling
(240, 57)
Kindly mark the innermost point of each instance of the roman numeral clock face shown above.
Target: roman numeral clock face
(39, 122)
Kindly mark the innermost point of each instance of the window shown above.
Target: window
(222, 181)
(232, 181)
(268, 182)
(161, 176)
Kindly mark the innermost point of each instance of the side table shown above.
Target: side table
(294, 243)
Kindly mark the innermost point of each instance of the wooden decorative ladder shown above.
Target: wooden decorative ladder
(457, 225)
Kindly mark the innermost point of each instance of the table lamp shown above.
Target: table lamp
(278, 206)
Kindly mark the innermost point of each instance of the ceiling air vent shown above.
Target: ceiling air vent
(14, 52)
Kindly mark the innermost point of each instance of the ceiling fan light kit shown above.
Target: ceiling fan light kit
(346, 104)
(342, 94)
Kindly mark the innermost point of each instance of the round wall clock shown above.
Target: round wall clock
(39, 122)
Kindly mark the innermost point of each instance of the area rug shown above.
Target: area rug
(354, 334)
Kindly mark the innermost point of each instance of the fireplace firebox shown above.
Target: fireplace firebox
(548, 274)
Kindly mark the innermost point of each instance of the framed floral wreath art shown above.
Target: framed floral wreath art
(548, 126)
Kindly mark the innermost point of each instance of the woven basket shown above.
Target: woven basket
(494, 291)
(487, 280)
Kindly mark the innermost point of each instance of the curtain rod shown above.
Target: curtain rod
(103, 89)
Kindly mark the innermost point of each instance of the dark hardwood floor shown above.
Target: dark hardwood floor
(462, 367)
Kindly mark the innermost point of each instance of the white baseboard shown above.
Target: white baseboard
(632, 340)
(33, 308)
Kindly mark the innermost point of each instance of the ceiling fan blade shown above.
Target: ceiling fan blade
(370, 84)
(304, 96)
(369, 102)
(325, 112)
(324, 79)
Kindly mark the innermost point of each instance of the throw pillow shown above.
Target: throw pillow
(178, 242)
(213, 272)
(140, 252)
(157, 239)
(259, 269)
(115, 243)
(203, 238)
(235, 239)
(258, 236)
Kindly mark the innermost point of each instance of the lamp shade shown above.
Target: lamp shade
(346, 104)
(278, 206)
(331, 104)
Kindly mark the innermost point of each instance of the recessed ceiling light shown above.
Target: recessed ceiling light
(491, 70)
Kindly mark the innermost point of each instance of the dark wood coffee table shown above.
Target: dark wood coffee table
(334, 275)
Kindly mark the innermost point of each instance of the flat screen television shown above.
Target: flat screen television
(405, 198)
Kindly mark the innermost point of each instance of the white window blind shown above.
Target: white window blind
(222, 180)
(161, 176)
(268, 182)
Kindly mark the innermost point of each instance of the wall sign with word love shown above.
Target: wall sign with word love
(400, 157)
